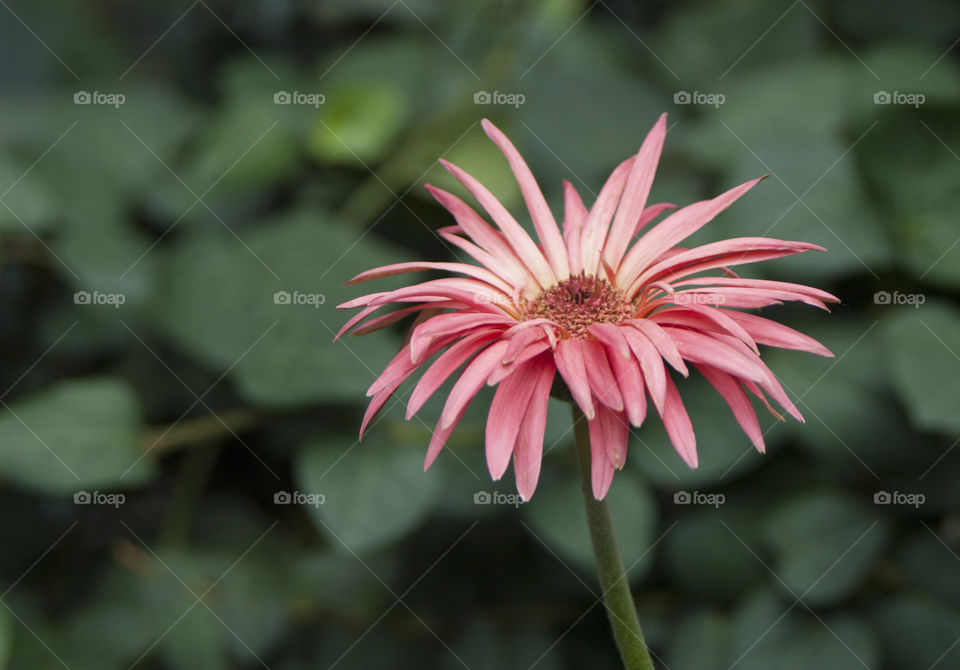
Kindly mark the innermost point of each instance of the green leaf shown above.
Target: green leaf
(484, 646)
(687, 41)
(224, 305)
(728, 569)
(74, 435)
(768, 633)
(724, 450)
(835, 211)
(30, 203)
(849, 421)
(373, 492)
(700, 641)
(480, 157)
(557, 515)
(932, 565)
(825, 544)
(923, 346)
(108, 257)
(358, 123)
(919, 205)
(918, 632)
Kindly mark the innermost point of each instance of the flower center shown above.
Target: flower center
(578, 302)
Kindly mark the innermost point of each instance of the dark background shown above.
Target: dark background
(142, 352)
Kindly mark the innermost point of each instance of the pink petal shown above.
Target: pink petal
(444, 366)
(460, 396)
(650, 213)
(400, 367)
(449, 324)
(651, 363)
(600, 376)
(509, 404)
(661, 340)
(543, 221)
(529, 448)
(376, 403)
(765, 331)
(439, 438)
(612, 336)
(575, 214)
(701, 317)
(760, 283)
(568, 355)
(674, 229)
(703, 348)
(601, 469)
(679, 429)
(480, 295)
(471, 380)
(387, 319)
(740, 405)
(594, 231)
(770, 384)
(635, 193)
(738, 292)
(502, 258)
(734, 251)
(611, 431)
(521, 341)
(504, 370)
(755, 390)
(521, 243)
(630, 382)
(479, 273)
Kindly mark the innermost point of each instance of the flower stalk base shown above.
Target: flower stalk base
(613, 579)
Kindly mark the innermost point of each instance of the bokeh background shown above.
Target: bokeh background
(186, 186)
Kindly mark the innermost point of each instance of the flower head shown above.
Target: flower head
(607, 311)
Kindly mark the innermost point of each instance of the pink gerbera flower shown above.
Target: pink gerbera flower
(603, 310)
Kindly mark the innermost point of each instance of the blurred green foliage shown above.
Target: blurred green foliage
(180, 483)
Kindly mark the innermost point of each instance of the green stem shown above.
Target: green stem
(613, 578)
